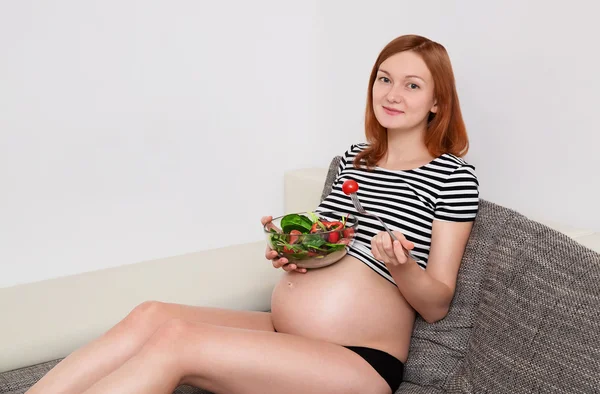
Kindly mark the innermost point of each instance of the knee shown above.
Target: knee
(167, 345)
(172, 336)
(146, 314)
(173, 331)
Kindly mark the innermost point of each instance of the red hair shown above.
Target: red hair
(446, 131)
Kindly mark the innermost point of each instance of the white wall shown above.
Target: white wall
(132, 130)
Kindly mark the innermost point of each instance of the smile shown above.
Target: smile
(391, 111)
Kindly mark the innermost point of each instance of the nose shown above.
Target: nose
(394, 95)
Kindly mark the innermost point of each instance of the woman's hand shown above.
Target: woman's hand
(391, 252)
(278, 262)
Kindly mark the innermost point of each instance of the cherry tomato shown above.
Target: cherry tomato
(334, 237)
(350, 186)
(294, 236)
(348, 233)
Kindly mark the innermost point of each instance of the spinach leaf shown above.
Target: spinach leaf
(334, 247)
(313, 241)
(294, 221)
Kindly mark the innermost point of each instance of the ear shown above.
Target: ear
(434, 109)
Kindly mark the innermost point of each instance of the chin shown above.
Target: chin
(394, 123)
(384, 121)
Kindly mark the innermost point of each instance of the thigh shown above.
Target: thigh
(154, 313)
(232, 360)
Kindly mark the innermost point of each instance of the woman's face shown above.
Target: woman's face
(403, 92)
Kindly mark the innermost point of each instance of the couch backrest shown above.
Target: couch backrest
(537, 325)
(437, 350)
(525, 315)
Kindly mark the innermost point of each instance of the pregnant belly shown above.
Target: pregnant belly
(346, 303)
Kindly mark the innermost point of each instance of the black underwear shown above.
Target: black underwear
(389, 367)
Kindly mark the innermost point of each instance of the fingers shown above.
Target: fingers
(389, 251)
(267, 222)
(386, 243)
(288, 267)
(378, 247)
(400, 253)
(375, 248)
(270, 254)
(279, 262)
(293, 267)
(282, 262)
(266, 219)
(407, 244)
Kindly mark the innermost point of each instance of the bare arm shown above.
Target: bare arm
(429, 291)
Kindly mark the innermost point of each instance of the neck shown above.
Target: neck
(406, 145)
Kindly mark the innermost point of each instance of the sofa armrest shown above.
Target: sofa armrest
(303, 189)
(47, 320)
(586, 237)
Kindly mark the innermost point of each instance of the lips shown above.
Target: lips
(392, 111)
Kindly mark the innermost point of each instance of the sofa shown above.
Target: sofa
(525, 317)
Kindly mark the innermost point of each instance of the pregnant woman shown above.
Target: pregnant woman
(345, 328)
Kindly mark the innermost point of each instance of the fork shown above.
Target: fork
(360, 209)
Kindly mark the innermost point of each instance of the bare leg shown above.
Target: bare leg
(232, 360)
(85, 366)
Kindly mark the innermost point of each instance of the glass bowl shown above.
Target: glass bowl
(311, 239)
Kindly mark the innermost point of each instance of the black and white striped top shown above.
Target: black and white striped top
(408, 201)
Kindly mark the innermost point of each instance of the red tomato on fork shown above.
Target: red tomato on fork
(350, 186)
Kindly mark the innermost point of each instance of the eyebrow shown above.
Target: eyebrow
(408, 76)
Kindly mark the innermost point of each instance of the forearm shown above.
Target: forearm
(428, 296)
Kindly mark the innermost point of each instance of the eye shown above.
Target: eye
(413, 86)
(384, 79)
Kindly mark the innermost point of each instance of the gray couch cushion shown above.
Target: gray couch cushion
(20, 380)
(330, 177)
(437, 349)
(411, 388)
(538, 326)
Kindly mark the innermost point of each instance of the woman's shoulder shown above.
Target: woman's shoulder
(457, 162)
(459, 169)
(355, 148)
(358, 146)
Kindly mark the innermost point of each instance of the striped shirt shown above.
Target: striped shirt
(407, 201)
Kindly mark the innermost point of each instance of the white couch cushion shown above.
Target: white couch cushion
(592, 241)
(47, 320)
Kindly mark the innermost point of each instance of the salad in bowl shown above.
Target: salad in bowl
(311, 240)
